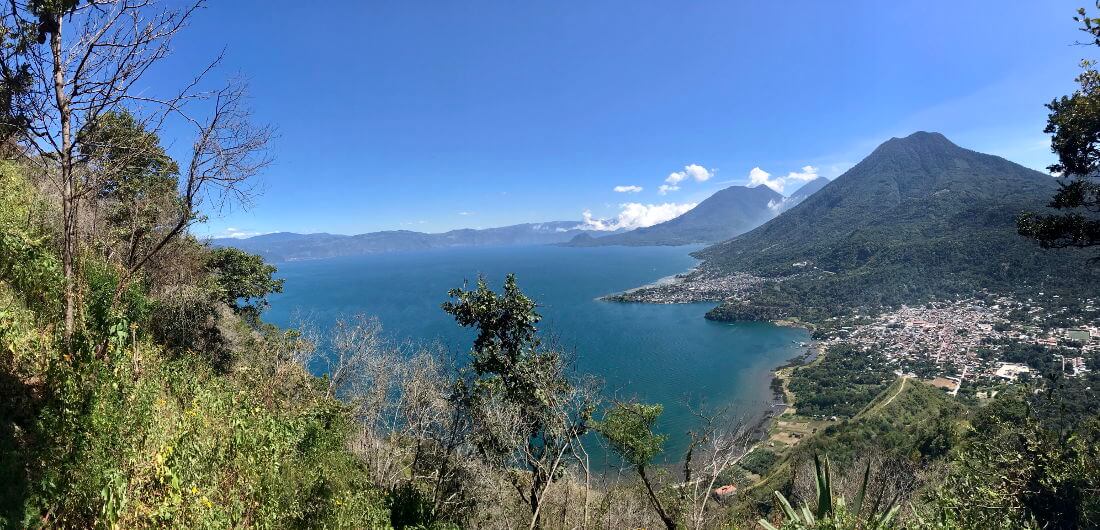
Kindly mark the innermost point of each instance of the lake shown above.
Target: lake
(657, 353)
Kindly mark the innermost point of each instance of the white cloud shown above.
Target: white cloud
(759, 177)
(665, 188)
(466, 213)
(636, 215)
(628, 189)
(236, 233)
(807, 174)
(778, 206)
(695, 171)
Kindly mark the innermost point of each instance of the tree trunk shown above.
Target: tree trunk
(68, 188)
(536, 501)
(69, 250)
(670, 523)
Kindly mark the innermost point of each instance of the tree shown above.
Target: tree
(628, 428)
(713, 448)
(524, 411)
(138, 184)
(244, 279)
(67, 66)
(1013, 469)
(1074, 123)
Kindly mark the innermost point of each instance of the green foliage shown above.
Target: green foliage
(244, 279)
(33, 269)
(628, 428)
(524, 411)
(178, 446)
(411, 508)
(1060, 402)
(139, 182)
(1074, 124)
(841, 384)
(27, 261)
(1014, 473)
(130, 159)
(831, 512)
(759, 461)
(507, 356)
(146, 436)
(505, 325)
(140, 440)
(103, 317)
(916, 422)
(188, 321)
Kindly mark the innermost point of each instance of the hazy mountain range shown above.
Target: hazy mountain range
(288, 246)
(725, 214)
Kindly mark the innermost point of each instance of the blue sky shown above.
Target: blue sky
(438, 115)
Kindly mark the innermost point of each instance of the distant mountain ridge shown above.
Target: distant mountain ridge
(792, 200)
(289, 246)
(919, 217)
(808, 189)
(727, 213)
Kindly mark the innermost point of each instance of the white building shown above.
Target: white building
(1011, 371)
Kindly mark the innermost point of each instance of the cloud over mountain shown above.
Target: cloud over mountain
(759, 177)
(637, 215)
(236, 233)
(628, 189)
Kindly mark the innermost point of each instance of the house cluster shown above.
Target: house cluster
(960, 340)
(694, 287)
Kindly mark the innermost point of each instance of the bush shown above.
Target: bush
(759, 461)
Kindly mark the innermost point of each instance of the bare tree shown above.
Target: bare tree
(67, 63)
(568, 413)
(715, 446)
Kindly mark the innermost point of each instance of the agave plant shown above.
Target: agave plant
(832, 510)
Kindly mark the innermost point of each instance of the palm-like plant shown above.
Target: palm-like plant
(832, 511)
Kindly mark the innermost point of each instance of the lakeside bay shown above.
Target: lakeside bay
(658, 353)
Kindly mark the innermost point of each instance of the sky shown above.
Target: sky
(432, 116)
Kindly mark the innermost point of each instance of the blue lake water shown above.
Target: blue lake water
(657, 353)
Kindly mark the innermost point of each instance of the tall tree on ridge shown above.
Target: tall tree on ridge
(525, 411)
(1074, 124)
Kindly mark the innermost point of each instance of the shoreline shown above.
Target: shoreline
(782, 399)
(694, 286)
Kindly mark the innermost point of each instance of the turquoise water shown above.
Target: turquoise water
(657, 353)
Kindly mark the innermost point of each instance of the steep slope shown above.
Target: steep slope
(799, 195)
(286, 246)
(919, 217)
(725, 214)
(807, 189)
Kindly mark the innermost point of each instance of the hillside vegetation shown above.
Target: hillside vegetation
(220, 427)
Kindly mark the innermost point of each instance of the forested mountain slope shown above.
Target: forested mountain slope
(920, 216)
